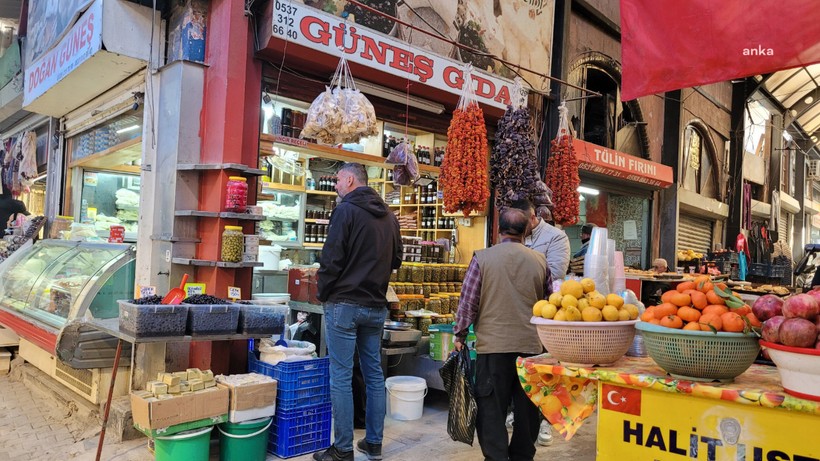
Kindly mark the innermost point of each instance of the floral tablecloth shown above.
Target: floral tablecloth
(568, 395)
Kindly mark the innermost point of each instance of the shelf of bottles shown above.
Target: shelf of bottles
(426, 155)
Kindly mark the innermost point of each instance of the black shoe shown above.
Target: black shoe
(332, 454)
(372, 450)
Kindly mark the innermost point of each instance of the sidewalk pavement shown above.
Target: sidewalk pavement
(34, 427)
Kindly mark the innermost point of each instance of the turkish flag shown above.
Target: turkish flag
(619, 398)
(671, 44)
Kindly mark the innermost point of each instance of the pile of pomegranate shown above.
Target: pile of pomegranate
(793, 322)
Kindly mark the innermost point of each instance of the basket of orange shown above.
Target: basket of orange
(580, 326)
(701, 331)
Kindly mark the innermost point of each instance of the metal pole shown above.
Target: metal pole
(108, 401)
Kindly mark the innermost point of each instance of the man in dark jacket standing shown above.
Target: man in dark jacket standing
(363, 246)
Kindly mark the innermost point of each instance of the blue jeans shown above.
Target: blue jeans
(350, 327)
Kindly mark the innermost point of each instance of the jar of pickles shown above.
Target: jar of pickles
(417, 274)
(462, 272)
(434, 304)
(424, 325)
(398, 288)
(436, 274)
(236, 198)
(233, 242)
(426, 287)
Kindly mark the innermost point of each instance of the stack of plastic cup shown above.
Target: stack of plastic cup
(619, 280)
(596, 262)
(610, 258)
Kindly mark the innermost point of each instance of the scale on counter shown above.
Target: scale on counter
(400, 334)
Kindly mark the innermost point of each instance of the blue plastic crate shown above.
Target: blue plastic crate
(299, 384)
(300, 431)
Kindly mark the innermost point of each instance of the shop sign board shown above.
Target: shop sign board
(76, 46)
(296, 23)
(645, 424)
(610, 162)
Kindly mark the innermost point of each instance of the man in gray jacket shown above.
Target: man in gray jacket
(546, 239)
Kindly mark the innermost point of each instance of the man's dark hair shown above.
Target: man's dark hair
(357, 170)
(512, 221)
(523, 204)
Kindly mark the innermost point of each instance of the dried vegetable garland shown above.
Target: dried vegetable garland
(513, 164)
(562, 174)
(464, 170)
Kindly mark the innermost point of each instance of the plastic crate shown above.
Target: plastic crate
(296, 432)
(212, 319)
(152, 320)
(302, 383)
(258, 319)
(768, 270)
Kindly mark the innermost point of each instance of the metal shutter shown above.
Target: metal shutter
(694, 233)
(784, 227)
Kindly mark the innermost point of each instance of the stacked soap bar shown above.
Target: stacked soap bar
(169, 384)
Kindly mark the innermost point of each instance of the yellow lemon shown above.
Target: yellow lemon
(561, 315)
(583, 303)
(623, 314)
(591, 314)
(555, 298)
(549, 311)
(538, 307)
(610, 313)
(573, 314)
(588, 284)
(597, 300)
(569, 301)
(614, 300)
(572, 287)
(632, 309)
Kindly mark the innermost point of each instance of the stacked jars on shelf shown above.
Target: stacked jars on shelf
(432, 288)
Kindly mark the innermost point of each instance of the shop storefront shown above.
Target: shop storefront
(617, 193)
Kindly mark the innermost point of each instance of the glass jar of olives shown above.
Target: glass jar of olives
(233, 242)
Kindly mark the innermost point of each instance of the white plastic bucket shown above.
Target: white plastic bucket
(271, 298)
(405, 397)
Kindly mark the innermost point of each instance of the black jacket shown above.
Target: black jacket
(362, 248)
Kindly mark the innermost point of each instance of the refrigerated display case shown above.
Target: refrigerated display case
(52, 283)
(284, 212)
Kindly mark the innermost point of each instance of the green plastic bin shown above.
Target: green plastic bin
(245, 441)
(193, 445)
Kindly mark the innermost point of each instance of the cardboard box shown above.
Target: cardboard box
(177, 428)
(245, 400)
(179, 409)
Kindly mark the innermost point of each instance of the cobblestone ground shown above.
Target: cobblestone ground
(34, 427)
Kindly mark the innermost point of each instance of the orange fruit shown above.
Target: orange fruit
(680, 299)
(733, 322)
(662, 310)
(742, 310)
(753, 319)
(672, 321)
(655, 322)
(713, 298)
(666, 296)
(689, 314)
(683, 286)
(694, 326)
(715, 308)
(648, 314)
(706, 287)
(699, 299)
(710, 319)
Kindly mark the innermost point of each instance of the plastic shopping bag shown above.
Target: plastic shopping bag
(457, 376)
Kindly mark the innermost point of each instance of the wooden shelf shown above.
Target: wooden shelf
(313, 245)
(221, 166)
(266, 142)
(283, 187)
(223, 214)
(126, 152)
(321, 192)
(209, 263)
(317, 221)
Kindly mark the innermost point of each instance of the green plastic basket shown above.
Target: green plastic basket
(699, 355)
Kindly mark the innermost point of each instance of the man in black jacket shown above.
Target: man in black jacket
(363, 246)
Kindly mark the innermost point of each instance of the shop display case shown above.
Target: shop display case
(284, 214)
(45, 287)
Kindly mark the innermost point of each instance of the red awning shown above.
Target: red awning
(672, 45)
(610, 162)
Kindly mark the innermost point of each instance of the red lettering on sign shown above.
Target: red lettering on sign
(374, 51)
(315, 30)
(424, 67)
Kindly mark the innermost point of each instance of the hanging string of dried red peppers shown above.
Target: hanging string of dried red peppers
(562, 174)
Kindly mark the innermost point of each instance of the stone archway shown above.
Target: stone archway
(612, 68)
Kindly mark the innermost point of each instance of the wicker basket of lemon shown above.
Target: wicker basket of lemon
(581, 327)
